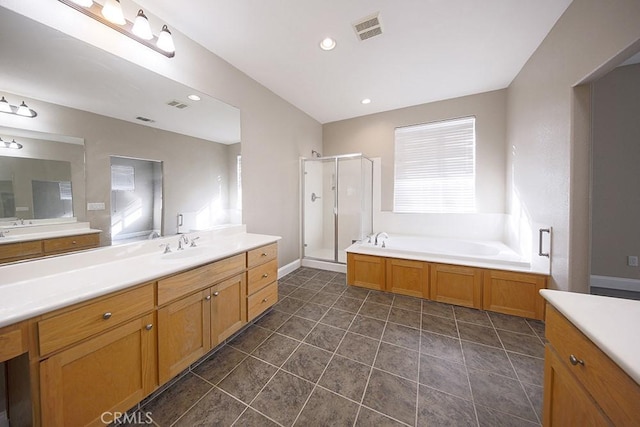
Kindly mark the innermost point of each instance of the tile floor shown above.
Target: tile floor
(332, 355)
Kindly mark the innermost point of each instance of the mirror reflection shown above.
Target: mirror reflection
(120, 110)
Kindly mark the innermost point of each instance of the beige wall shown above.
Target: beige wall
(546, 131)
(615, 233)
(274, 133)
(373, 135)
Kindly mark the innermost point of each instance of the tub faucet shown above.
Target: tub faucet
(381, 234)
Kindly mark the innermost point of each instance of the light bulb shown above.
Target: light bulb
(141, 26)
(327, 44)
(165, 40)
(23, 110)
(4, 106)
(112, 11)
(83, 3)
(365, 101)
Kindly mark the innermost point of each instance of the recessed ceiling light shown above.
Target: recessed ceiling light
(365, 101)
(194, 97)
(327, 44)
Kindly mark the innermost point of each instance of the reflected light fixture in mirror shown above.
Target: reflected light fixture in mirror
(20, 110)
(112, 16)
(13, 144)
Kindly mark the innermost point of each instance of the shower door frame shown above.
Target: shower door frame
(336, 159)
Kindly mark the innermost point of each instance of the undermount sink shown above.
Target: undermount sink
(185, 253)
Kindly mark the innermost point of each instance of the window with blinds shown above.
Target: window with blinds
(435, 167)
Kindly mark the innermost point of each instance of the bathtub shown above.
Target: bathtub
(451, 251)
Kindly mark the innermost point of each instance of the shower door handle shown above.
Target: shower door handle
(540, 232)
(314, 197)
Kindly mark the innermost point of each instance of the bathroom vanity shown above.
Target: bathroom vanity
(592, 369)
(104, 336)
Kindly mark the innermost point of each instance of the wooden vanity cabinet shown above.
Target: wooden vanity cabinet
(19, 251)
(407, 277)
(514, 293)
(582, 385)
(228, 308)
(262, 283)
(454, 284)
(366, 271)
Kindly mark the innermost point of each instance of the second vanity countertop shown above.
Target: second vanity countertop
(610, 323)
(48, 231)
(36, 287)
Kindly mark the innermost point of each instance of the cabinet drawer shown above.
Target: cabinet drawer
(199, 278)
(261, 276)
(261, 255)
(13, 342)
(71, 326)
(610, 386)
(12, 251)
(70, 243)
(261, 300)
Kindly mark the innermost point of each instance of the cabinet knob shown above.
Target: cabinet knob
(207, 298)
(265, 300)
(575, 361)
(215, 294)
(73, 242)
(265, 275)
(149, 327)
(263, 254)
(107, 315)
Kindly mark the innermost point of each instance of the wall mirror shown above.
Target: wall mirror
(121, 109)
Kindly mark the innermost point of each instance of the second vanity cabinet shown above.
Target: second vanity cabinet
(19, 251)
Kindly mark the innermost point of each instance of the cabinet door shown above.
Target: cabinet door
(366, 271)
(408, 277)
(456, 285)
(111, 372)
(514, 293)
(183, 333)
(566, 402)
(228, 308)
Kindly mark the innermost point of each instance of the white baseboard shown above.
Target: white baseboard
(619, 283)
(289, 268)
(323, 265)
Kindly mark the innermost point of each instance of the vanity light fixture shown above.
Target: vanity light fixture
(112, 16)
(327, 44)
(13, 144)
(20, 110)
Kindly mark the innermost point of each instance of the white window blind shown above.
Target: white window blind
(65, 190)
(123, 178)
(435, 167)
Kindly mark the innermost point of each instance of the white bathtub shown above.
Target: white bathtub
(451, 251)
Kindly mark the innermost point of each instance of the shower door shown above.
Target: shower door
(319, 209)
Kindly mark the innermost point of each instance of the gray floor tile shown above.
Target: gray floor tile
(370, 418)
(250, 338)
(288, 305)
(326, 337)
(356, 292)
(327, 409)
(471, 315)
(314, 284)
(216, 408)
(479, 334)
(285, 289)
(444, 375)
(377, 311)
(405, 317)
(251, 418)
(358, 347)
(398, 360)
(520, 343)
(283, 397)
(338, 318)
(345, 377)
(402, 336)
(351, 305)
(177, 399)
(335, 288)
(510, 323)
(325, 276)
(537, 326)
(439, 409)
(296, 327)
(501, 393)
(488, 417)
(535, 395)
(295, 280)
(529, 369)
(276, 349)
(441, 346)
(408, 303)
(392, 395)
(367, 326)
(273, 319)
(485, 358)
(308, 362)
(247, 379)
(379, 297)
(437, 309)
(340, 278)
(303, 294)
(219, 364)
(324, 298)
(312, 311)
(306, 272)
(439, 325)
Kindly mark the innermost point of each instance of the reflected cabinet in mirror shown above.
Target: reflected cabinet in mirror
(119, 110)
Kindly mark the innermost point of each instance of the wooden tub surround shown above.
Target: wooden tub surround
(507, 292)
(68, 366)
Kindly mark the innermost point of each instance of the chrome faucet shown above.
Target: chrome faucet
(3, 233)
(381, 234)
(193, 242)
(167, 248)
(183, 240)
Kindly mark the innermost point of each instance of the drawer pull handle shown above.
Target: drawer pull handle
(73, 242)
(107, 315)
(207, 298)
(575, 361)
(265, 300)
(215, 294)
(149, 327)
(263, 254)
(265, 275)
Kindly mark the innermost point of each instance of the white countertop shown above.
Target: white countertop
(611, 323)
(32, 288)
(28, 233)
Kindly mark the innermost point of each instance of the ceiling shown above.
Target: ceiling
(429, 50)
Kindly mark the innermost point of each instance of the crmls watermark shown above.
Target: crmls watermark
(119, 418)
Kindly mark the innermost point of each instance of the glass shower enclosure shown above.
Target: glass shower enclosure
(337, 206)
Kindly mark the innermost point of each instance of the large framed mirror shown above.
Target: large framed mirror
(120, 109)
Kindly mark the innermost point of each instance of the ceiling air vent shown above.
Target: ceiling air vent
(368, 27)
(179, 105)
(144, 119)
